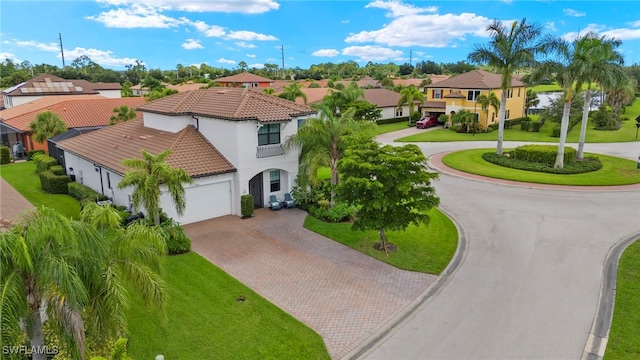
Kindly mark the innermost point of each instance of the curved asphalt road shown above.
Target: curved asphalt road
(529, 285)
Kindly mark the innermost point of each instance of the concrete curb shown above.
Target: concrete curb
(598, 337)
(385, 332)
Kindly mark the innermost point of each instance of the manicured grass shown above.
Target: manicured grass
(385, 128)
(624, 337)
(204, 321)
(556, 87)
(615, 171)
(22, 176)
(625, 134)
(424, 248)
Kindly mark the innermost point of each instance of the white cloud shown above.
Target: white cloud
(371, 53)
(326, 52)
(397, 9)
(619, 33)
(250, 36)
(208, 30)
(346, 21)
(635, 23)
(551, 26)
(245, 45)
(9, 56)
(136, 16)
(257, 66)
(102, 57)
(507, 1)
(251, 55)
(572, 12)
(191, 44)
(51, 47)
(226, 6)
(226, 61)
(433, 30)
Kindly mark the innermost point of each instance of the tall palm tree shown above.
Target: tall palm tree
(79, 271)
(597, 62)
(322, 141)
(122, 114)
(408, 96)
(146, 177)
(46, 125)
(510, 49)
(292, 92)
(488, 101)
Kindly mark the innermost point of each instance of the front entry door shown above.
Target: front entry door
(255, 189)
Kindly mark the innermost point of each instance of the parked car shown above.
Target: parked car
(427, 122)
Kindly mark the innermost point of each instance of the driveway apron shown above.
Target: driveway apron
(344, 295)
(12, 203)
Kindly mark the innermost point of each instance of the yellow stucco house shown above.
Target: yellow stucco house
(460, 93)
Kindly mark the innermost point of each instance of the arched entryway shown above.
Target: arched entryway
(269, 182)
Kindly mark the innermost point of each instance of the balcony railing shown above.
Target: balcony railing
(264, 151)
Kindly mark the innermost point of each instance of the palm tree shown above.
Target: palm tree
(510, 49)
(531, 100)
(46, 125)
(408, 96)
(597, 62)
(292, 92)
(122, 114)
(488, 101)
(322, 142)
(79, 271)
(146, 177)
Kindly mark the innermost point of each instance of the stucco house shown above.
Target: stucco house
(460, 93)
(229, 140)
(244, 79)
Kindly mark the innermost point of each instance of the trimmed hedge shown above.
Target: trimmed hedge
(588, 164)
(175, 239)
(5, 155)
(44, 162)
(57, 170)
(341, 212)
(82, 192)
(572, 122)
(32, 153)
(535, 126)
(246, 205)
(543, 154)
(392, 120)
(54, 184)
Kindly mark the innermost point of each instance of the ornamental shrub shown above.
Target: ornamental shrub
(5, 155)
(57, 170)
(82, 192)
(535, 126)
(54, 184)
(44, 162)
(525, 125)
(175, 239)
(339, 213)
(588, 164)
(32, 153)
(543, 154)
(246, 205)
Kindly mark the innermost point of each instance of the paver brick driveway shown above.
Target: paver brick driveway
(342, 294)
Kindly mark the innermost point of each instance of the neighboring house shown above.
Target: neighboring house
(460, 93)
(229, 141)
(246, 80)
(51, 85)
(76, 111)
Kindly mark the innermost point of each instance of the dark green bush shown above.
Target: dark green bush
(82, 192)
(544, 154)
(535, 126)
(54, 184)
(578, 167)
(32, 153)
(44, 162)
(392, 120)
(339, 213)
(5, 155)
(57, 170)
(525, 125)
(177, 242)
(308, 196)
(246, 205)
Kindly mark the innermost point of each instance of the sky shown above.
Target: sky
(222, 33)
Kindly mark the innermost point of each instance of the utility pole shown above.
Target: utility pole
(61, 49)
(283, 72)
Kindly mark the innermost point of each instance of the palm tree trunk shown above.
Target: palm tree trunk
(503, 102)
(564, 126)
(334, 182)
(583, 126)
(36, 337)
(156, 219)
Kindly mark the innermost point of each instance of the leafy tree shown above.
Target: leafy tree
(292, 92)
(408, 96)
(511, 48)
(322, 142)
(243, 65)
(79, 270)
(122, 114)
(391, 186)
(488, 101)
(459, 67)
(405, 69)
(126, 90)
(364, 110)
(135, 73)
(425, 82)
(269, 91)
(160, 93)
(46, 125)
(152, 83)
(531, 100)
(428, 67)
(147, 175)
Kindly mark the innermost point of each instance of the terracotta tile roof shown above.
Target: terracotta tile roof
(185, 87)
(97, 85)
(435, 104)
(79, 112)
(382, 97)
(438, 78)
(228, 104)
(49, 85)
(190, 150)
(455, 95)
(475, 79)
(313, 95)
(244, 77)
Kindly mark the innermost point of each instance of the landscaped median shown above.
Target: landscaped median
(614, 171)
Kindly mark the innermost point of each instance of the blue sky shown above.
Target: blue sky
(222, 33)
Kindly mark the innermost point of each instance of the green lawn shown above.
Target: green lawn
(615, 171)
(625, 134)
(624, 337)
(22, 176)
(424, 248)
(556, 87)
(385, 128)
(204, 321)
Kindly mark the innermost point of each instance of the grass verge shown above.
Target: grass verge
(425, 248)
(22, 176)
(204, 321)
(385, 128)
(615, 171)
(624, 337)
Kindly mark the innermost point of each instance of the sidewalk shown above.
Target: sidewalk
(12, 204)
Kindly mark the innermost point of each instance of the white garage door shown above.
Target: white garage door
(207, 201)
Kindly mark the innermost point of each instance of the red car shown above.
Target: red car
(427, 122)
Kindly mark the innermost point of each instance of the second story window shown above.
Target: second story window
(437, 94)
(269, 134)
(473, 94)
